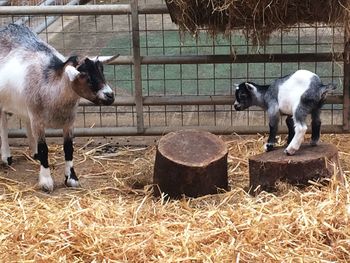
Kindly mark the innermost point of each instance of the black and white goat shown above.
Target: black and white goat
(43, 88)
(295, 95)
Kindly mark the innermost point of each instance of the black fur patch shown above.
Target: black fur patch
(94, 71)
(43, 154)
(9, 160)
(68, 149)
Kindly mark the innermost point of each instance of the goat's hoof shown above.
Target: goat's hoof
(71, 182)
(47, 186)
(268, 147)
(7, 160)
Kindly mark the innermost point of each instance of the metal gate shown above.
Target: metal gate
(165, 81)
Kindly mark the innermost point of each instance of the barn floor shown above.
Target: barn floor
(114, 216)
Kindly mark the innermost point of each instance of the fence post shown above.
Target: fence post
(346, 82)
(137, 66)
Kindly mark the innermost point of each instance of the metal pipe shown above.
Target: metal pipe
(51, 19)
(120, 9)
(129, 131)
(242, 58)
(188, 100)
(137, 65)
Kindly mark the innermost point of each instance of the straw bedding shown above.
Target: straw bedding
(258, 19)
(115, 218)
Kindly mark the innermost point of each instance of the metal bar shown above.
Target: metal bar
(128, 131)
(243, 58)
(50, 20)
(188, 100)
(153, 9)
(120, 9)
(137, 65)
(346, 86)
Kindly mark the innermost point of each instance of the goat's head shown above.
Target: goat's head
(244, 96)
(88, 81)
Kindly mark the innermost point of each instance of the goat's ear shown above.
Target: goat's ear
(250, 86)
(72, 60)
(104, 59)
(71, 72)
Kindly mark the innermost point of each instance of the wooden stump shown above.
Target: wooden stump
(191, 163)
(309, 163)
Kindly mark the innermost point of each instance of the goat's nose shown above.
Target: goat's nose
(109, 95)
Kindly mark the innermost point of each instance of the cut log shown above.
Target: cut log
(191, 163)
(309, 163)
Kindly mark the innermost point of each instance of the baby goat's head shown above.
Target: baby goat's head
(88, 80)
(244, 96)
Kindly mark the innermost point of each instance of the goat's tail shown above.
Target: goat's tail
(325, 89)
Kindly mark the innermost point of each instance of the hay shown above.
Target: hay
(110, 220)
(258, 19)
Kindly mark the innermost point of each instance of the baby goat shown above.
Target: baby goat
(43, 88)
(295, 95)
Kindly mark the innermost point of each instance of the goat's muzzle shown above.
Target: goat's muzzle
(105, 96)
(237, 107)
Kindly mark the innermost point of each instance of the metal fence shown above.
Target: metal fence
(165, 81)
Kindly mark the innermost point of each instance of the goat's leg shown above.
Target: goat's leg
(274, 117)
(5, 147)
(71, 178)
(291, 131)
(32, 141)
(315, 126)
(45, 179)
(300, 129)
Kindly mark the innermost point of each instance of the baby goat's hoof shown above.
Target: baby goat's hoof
(313, 143)
(268, 147)
(289, 152)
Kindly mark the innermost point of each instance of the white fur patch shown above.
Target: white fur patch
(68, 165)
(71, 72)
(252, 87)
(294, 145)
(290, 91)
(105, 89)
(12, 81)
(45, 179)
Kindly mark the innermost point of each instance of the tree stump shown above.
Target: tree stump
(191, 163)
(309, 163)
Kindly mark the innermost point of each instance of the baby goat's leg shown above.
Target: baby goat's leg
(274, 117)
(5, 148)
(300, 129)
(315, 126)
(291, 131)
(71, 178)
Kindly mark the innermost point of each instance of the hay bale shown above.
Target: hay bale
(258, 18)
(309, 164)
(191, 163)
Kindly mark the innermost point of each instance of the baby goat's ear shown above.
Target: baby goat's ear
(71, 72)
(250, 87)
